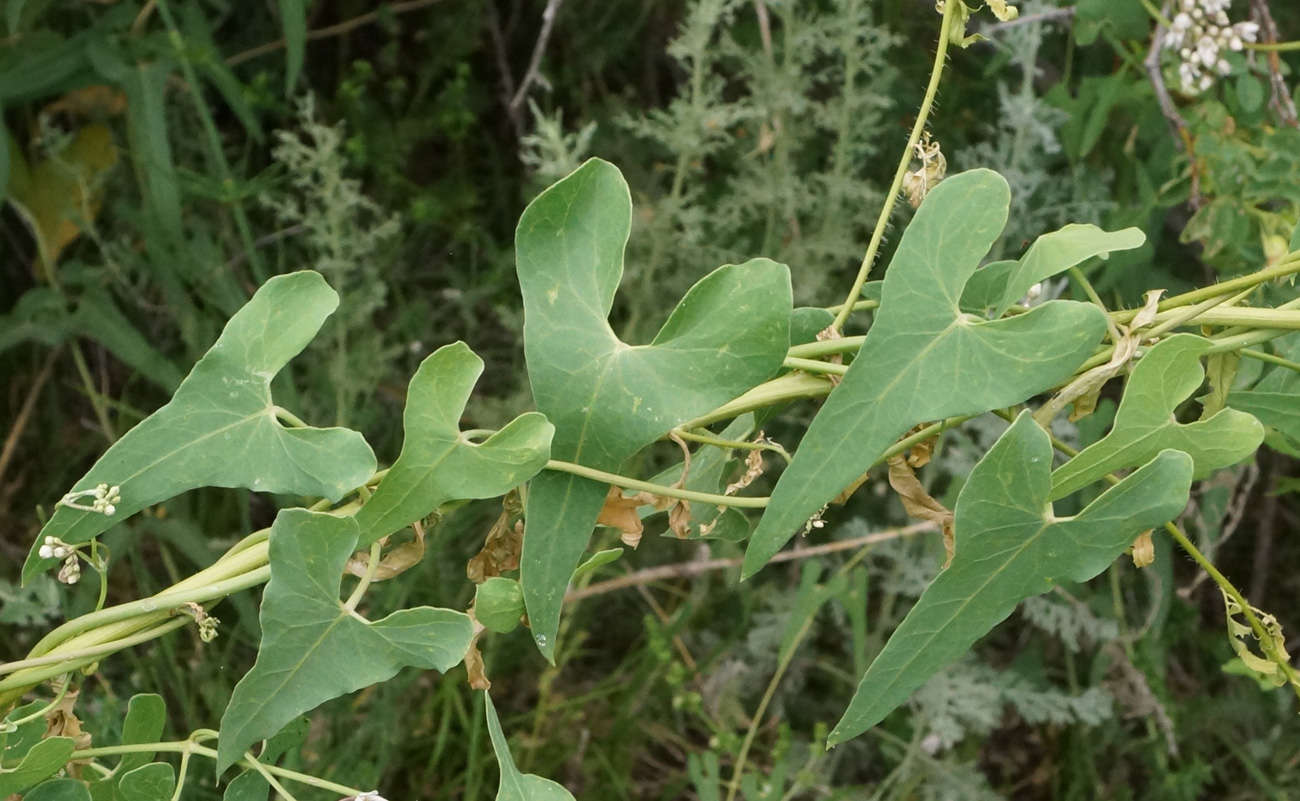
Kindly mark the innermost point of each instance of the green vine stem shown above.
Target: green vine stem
(40, 713)
(1261, 634)
(708, 439)
(815, 366)
(1285, 266)
(656, 489)
(1270, 358)
(84, 640)
(191, 747)
(1272, 47)
(372, 567)
(950, 15)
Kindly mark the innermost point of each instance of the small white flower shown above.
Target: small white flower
(1199, 33)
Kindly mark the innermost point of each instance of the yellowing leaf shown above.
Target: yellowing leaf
(63, 192)
(1003, 10)
(1239, 631)
(96, 100)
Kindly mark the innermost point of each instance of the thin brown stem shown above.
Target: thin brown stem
(332, 30)
(691, 569)
(25, 413)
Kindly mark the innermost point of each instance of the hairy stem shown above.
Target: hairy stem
(940, 54)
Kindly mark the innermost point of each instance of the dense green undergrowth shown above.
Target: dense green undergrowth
(252, 255)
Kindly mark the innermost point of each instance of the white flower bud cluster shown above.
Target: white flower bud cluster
(55, 548)
(1199, 34)
(103, 499)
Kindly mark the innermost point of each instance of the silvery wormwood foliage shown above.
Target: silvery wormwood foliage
(1199, 34)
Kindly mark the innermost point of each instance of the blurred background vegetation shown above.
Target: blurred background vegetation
(164, 158)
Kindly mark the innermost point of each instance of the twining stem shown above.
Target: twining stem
(786, 388)
(1252, 317)
(1266, 643)
(815, 366)
(30, 672)
(372, 567)
(655, 489)
(191, 747)
(718, 442)
(950, 13)
(40, 713)
(1168, 321)
(826, 347)
(1270, 358)
(1287, 265)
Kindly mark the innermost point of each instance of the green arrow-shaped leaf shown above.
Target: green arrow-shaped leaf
(437, 464)
(1059, 251)
(924, 359)
(1009, 548)
(1144, 423)
(59, 790)
(220, 429)
(1280, 411)
(313, 647)
(146, 715)
(516, 785)
(608, 399)
(1275, 401)
(152, 782)
(251, 785)
(45, 759)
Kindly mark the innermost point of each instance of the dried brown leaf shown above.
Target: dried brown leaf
(848, 491)
(1144, 550)
(62, 721)
(394, 563)
(474, 667)
(620, 513)
(918, 503)
(500, 551)
(753, 469)
(679, 519)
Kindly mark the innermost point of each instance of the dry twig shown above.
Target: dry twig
(690, 569)
(535, 63)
